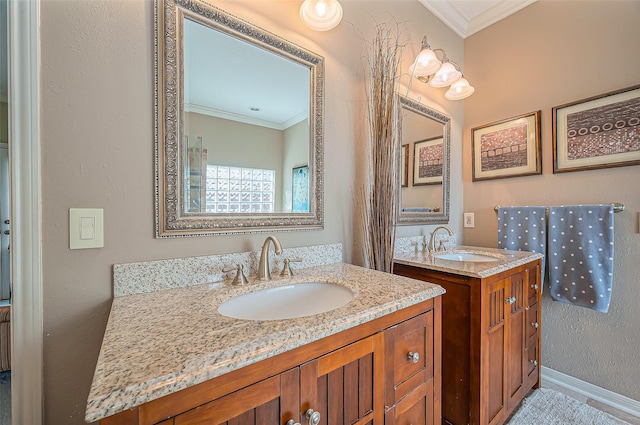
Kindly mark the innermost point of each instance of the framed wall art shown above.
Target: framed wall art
(404, 166)
(428, 157)
(598, 132)
(507, 148)
(300, 179)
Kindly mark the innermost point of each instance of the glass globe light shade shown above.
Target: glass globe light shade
(321, 15)
(446, 75)
(459, 90)
(426, 63)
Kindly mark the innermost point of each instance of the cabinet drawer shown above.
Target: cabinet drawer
(409, 356)
(532, 324)
(416, 408)
(413, 348)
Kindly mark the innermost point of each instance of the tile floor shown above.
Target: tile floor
(633, 420)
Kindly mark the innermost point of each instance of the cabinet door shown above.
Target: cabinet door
(533, 324)
(345, 386)
(516, 338)
(272, 401)
(493, 388)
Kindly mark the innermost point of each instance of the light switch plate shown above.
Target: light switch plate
(469, 220)
(86, 228)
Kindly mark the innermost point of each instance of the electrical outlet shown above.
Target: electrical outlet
(469, 220)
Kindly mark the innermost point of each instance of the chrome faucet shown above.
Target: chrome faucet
(263, 267)
(432, 241)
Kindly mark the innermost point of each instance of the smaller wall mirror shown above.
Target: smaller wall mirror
(423, 155)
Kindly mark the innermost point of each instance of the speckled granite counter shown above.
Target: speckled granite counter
(505, 260)
(162, 342)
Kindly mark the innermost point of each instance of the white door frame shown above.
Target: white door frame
(26, 215)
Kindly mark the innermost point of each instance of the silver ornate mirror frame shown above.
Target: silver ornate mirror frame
(418, 218)
(171, 220)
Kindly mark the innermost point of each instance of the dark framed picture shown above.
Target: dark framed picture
(598, 132)
(428, 157)
(300, 179)
(404, 166)
(507, 148)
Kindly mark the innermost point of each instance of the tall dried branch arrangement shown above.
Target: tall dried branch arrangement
(381, 189)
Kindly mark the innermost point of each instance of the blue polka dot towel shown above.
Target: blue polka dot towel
(581, 255)
(523, 229)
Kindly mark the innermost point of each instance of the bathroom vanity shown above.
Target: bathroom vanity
(490, 328)
(169, 357)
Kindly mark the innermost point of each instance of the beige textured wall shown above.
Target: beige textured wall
(549, 54)
(295, 154)
(97, 152)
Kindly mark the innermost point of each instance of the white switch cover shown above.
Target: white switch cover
(469, 220)
(86, 228)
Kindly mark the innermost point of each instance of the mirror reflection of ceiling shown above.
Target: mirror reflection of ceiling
(416, 127)
(220, 81)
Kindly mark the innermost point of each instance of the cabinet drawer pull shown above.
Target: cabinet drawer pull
(314, 417)
(535, 325)
(292, 422)
(535, 362)
(510, 300)
(414, 357)
(534, 286)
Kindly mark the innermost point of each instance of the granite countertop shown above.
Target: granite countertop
(161, 342)
(505, 260)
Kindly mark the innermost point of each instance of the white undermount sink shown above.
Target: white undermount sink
(287, 302)
(466, 256)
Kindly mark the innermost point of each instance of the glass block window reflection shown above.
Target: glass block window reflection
(239, 190)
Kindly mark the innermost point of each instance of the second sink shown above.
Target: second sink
(466, 256)
(287, 302)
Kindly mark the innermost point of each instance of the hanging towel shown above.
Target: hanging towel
(523, 229)
(581, 255)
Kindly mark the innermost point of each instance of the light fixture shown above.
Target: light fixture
(426, 62)
(440, 72)
(459, 90)
(446, 75)
(321, 15)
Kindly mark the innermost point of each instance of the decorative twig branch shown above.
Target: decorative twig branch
(381, 189)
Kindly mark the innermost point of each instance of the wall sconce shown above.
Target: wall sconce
(321, 15)
(428, 68)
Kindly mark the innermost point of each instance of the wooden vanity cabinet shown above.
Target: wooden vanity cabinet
(490, 341)
(342, 377)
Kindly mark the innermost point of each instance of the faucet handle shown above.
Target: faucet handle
(240, 278)
(286, 270)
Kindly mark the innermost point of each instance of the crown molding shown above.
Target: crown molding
(205, 110)
(450, 14)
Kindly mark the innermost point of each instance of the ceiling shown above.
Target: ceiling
(467, 17)
(233, 79)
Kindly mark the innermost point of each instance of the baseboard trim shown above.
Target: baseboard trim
(594, 392)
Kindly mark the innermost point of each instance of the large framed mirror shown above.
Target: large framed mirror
(239, 126)
(423, 157)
